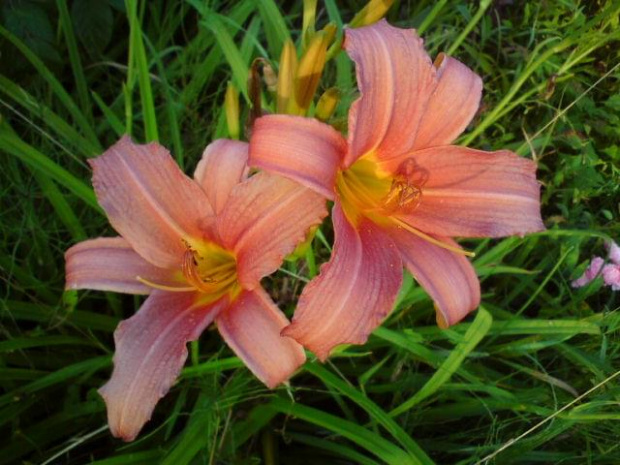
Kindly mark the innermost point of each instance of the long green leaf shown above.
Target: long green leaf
(478, 329)
(31, 156)
(138, 64)
(56, 87)
(375, 412)
(368, 440)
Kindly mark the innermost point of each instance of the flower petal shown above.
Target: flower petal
(611, 276)
(452, 106)
(264, 220)
(302, 149)
(614, 251)
(110, 264)
(149, 201)
(251, 327)
(448, 277)
(471, 193)
(355, 290)
(150, 353)
(396, 77)
(593, 271)
(224, 164)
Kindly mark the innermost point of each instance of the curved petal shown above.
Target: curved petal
(355, 290)
(224, 164)
(110, 264)
(302, 149)
(395, 76)
(150, 353)
(448, 277)
(149, 201)
(264, 220)
(611, 276)
(251, 327)
(613, 251)
(592, 272)
(471, 193)
(452, 106)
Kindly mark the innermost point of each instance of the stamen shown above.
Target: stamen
(403, 195)
(164, 287)
(190, 272)
(430, 239)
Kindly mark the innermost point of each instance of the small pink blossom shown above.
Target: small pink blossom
(596, 265)
(610, 272)
(611, 276)
(614, 252)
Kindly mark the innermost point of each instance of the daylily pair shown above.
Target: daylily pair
(201, 247)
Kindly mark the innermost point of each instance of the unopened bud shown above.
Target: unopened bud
(286, 76)
(330, 32)
(231, 108)
(269, 75)
(309, 73)
(309, 20)
(371, 13)
(327, 104)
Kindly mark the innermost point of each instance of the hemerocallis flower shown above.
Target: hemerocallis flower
(400, 190)
(199, 249)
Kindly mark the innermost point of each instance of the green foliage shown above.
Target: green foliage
(528, 379)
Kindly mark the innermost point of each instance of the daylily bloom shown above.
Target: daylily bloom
(400, 190)
(199, 249)
(610, 272)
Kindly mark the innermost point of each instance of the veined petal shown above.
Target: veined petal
(150, 353)
(448, 277)
(224, 164)
(470, 193)
(149, 201)
(302, 149)
(355, 290)
(264, 220)
(452, 105)
(110, 264)
(251, 327)
(396, 77)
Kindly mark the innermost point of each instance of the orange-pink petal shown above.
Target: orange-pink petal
(110, 264)
(302, 149)
(471, 193)
(251, 327)
(395, 77)
(452, 105)
(265, 218)
(150, 353)
(448, 277)
(224, 164)
(355, 290)
(149, 201)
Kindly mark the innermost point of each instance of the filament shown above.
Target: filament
(164, 287)
(431, 239)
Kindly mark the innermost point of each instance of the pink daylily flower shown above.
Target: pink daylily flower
(199, 248)
(400, 189)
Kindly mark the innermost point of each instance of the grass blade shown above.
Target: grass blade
(478, 329)
(370, 441)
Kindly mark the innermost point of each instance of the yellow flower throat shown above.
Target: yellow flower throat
(206, 268)
(366, 190)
